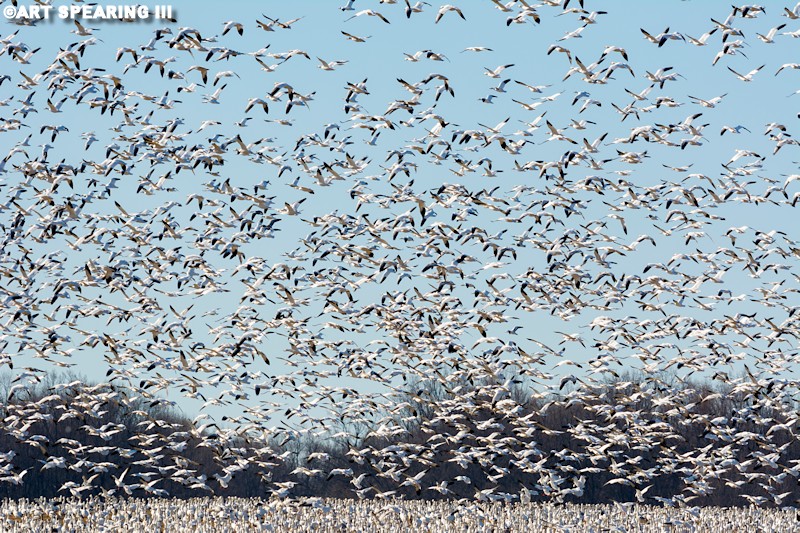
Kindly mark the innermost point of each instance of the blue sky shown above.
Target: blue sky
(381, 61)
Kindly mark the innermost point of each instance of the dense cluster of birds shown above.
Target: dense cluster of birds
(211, 515)
(221, 227)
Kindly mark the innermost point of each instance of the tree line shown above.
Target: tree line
(620, 441)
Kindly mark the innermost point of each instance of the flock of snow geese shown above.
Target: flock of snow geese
(305, 228)
(213, 515)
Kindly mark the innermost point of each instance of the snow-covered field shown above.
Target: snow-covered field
(314, 514)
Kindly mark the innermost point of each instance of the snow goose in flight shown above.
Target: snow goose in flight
(444, 9)
(701, 41)
(749, 76)
(232, 24)
(496, 72)
(416, 8)
(369, 13)
(788, 65)
(769, 38)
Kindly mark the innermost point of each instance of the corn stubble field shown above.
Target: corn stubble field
(323, 515)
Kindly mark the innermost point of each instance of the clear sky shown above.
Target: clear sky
(209, 331)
